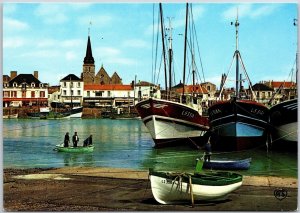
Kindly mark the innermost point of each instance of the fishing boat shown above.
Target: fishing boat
(173, 188)
(11, 116)
(284, 119)
(168, 121)
(71, 149)
(240, 164)
(238, 124)
(46, 113)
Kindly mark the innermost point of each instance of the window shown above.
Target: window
(32, 84)
(42, 94)
(88, 93)
(108, 93)
(72, 92)
(15, 84)
(5, 94)
(71, 84)
(78, 84)
(99, 93)
(208, 88)
(64, 92)
(78, 92)
(33, 94)
(65, 84)
(14, 94)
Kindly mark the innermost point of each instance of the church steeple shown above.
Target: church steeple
(88, 69)
(89, 59)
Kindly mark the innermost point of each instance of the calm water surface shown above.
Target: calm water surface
(118, 143)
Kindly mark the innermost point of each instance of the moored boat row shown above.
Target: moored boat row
(236, 124)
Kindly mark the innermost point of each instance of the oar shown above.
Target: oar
(191, 190)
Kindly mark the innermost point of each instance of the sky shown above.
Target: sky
(52, 38)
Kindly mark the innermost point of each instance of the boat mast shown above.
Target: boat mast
(185, 43)
(237, 53)
(170, 56)
(163, 45)
(296, 92)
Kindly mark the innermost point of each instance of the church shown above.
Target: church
(88, 74)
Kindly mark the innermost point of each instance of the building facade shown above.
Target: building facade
(71, 90)
(24, 90)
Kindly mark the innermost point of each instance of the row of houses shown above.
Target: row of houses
(26, 90)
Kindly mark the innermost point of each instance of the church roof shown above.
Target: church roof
(89, 59)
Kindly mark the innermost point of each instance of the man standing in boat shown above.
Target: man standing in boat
(66, 140)
(207, 148)
(75, 139)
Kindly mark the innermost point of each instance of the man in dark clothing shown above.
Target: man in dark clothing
(66, 140)
(90, 140)
(207, 153)
(75, 139)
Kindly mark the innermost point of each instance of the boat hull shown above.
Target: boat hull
(171, 123)
(284, 119)
(238, 124)
(228, 164)
(75, 112)
(170, 189)
(79, 149)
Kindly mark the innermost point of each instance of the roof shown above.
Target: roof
(286, 84)
(144, 83)
(24, 78)
(53, 89)
(191, 88)
(108, 87)
(261, 87)
(89, 59)
(6, 78)
(71, 77)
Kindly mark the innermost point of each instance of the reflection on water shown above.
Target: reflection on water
(118, 143)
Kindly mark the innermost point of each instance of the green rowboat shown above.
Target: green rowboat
(78, 149)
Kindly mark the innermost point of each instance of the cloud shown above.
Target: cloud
(249, 10)
(70, 55)
(97, 20)
(135, 43)
(107, 51)
(72, 43)
(110, 55)
(10, 24)
(52, 13)
(45, 53)
(9, 8)
(14, 42)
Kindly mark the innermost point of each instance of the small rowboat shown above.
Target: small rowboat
(242, 164)
(78, 149)
(172, 188)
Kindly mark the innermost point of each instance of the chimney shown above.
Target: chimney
(13, 74)
(36, 74)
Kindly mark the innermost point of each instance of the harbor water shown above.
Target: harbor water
(120, 144)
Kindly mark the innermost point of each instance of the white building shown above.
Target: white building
(144, 90)
(71, 90)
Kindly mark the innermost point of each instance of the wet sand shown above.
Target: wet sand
(108, 189)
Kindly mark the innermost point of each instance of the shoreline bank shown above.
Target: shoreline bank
(106, 189)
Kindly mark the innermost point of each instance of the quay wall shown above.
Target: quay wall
(86, 113)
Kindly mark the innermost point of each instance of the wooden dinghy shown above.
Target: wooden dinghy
(172, 188)
(78, 149)
(242, 164)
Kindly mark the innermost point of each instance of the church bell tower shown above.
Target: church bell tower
(88, 72)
